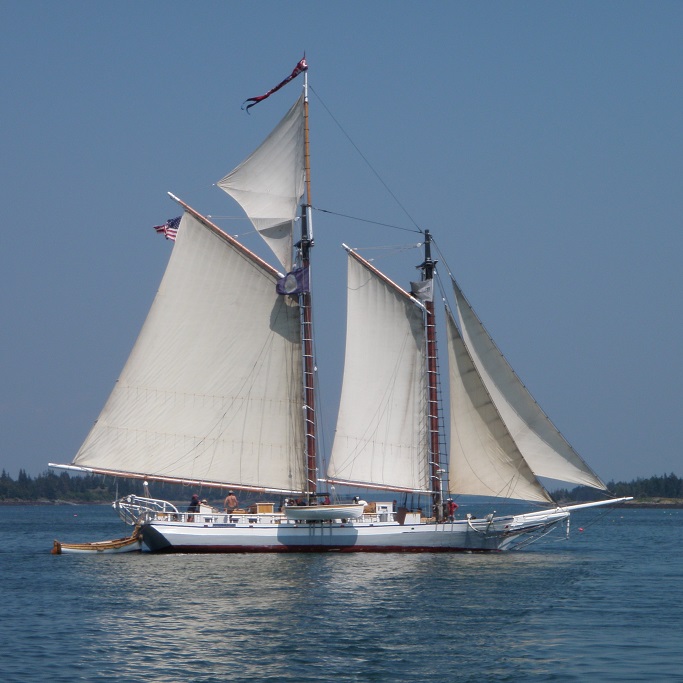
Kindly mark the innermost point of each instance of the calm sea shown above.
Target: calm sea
(605, 605)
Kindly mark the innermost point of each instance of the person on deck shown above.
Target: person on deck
(452, 507)
(193, 507)
(230, 502)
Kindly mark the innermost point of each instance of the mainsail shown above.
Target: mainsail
(270, 182)
(544, 449)
(212, 389)
(381, 439)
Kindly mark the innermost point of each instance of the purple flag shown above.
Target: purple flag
(295, 282)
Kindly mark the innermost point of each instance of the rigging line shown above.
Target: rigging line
(366, 220)
(441, 289)
(234, 234)
(608, 510)
(542, 533)
(386, 252)
(227, 218)
(443, 257)
(397, 247)
(370, 166)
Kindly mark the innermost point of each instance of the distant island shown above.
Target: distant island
(660, 491)
(50, 488)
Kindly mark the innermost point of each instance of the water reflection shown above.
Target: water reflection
(312, 617)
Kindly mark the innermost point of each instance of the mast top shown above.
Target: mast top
(307, 151)
(428, 265)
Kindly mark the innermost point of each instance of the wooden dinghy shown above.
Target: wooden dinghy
(129, 544)
(325, 512)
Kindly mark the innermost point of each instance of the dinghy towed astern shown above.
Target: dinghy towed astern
(129, 544)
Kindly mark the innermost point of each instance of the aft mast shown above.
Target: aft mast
(306, 318)
(436, 472)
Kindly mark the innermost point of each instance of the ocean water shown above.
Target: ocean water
(604, 605)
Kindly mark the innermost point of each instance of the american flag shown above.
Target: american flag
(169, 229)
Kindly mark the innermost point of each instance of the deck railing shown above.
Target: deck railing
(135, 509)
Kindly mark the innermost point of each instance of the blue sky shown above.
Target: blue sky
(540, 142)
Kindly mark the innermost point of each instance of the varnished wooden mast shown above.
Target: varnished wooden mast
(432, 386)
(307, 318)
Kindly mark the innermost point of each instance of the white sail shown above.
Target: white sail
(545, 450)
(485, 460)
(212, 389)
(380, 440)
(270, 183)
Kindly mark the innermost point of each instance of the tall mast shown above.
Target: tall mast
(432, 385)
(306, 317)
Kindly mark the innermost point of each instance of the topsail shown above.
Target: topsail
(270, 183)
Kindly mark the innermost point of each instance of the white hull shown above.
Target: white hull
(165, 529)
(214, 536)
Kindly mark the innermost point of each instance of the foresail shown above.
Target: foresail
(485, 460)
(380, 440)
(545, 450)
(269, 184)
(212, 389)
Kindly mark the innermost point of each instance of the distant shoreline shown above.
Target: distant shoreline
(661, 503)
(668, 503)
(54, 502)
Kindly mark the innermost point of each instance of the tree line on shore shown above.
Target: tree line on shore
(49, 487)
(664, 486)
(94, 488)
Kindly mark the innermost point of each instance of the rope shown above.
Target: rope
(364, 158)
(366, 220)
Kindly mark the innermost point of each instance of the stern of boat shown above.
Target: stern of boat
(136, 510)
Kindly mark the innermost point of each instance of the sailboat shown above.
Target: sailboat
(219, 391)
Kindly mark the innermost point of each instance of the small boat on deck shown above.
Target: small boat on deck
(321, 513)
(130, 544)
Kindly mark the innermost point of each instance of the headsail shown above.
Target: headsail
(196, 401)
(546, 451)
(485, 460)
(269, 184)
(381, 436)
